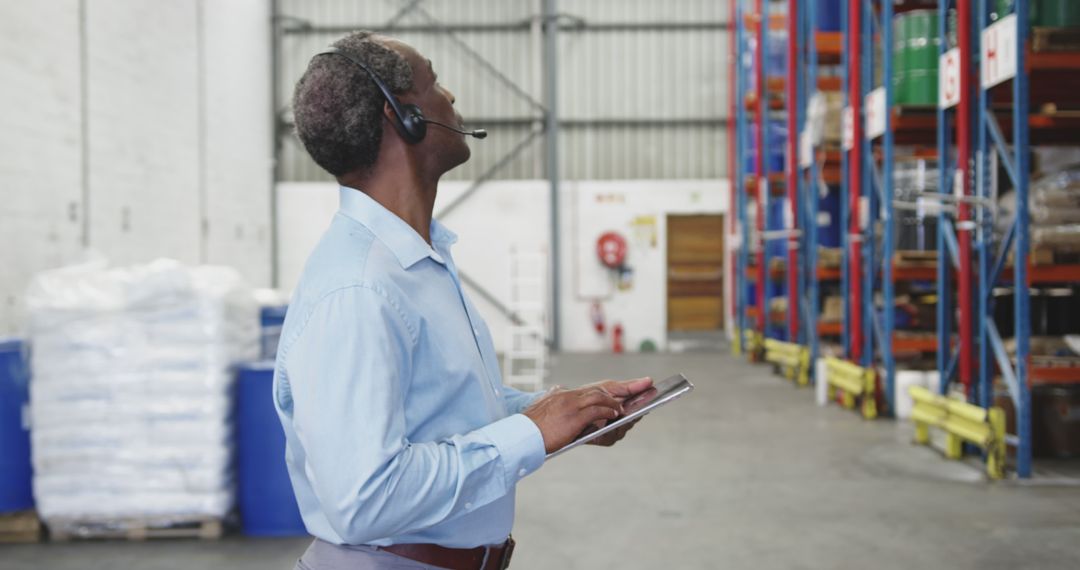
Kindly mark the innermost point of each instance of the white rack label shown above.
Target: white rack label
(949, 79)
(864, 212)
(789, 218)
(848, 140)
(806, 150)
(875, 113)
(999, 51)
(958, 184)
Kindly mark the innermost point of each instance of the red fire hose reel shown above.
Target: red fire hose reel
(611, 249)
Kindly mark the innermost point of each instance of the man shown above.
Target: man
(403, 446)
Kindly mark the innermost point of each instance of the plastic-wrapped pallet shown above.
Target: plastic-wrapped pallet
(131, 389)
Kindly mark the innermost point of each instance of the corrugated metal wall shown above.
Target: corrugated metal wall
(637, 99)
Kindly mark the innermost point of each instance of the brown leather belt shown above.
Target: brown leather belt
(480, 558)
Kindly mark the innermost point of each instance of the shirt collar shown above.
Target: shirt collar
(399, 237)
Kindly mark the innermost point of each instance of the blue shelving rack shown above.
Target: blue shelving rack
(867, 334)
(739, 176)
(806, 71)
(1015, 162)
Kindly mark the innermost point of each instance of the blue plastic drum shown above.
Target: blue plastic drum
(15, 472)
(271, 320)
(267, 503)
(828, 15)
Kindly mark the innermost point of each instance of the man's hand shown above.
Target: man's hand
(563, 414)
(622, 390)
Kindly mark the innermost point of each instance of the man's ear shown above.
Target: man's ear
(388, 112)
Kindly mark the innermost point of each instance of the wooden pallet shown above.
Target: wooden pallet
(1045, 39)
(1049, 255)
(19, 527)
(206, 528)
(915, 258)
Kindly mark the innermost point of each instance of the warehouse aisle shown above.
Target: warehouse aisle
(744, 473)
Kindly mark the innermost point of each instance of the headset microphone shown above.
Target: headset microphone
(409, 119)
(478, 133)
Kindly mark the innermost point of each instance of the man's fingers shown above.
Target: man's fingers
(598, 412)
(638, 385)
(626, 388)
(598, 397)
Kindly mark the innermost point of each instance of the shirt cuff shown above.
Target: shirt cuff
(520, 445)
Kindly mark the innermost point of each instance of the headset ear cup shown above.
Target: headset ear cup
(413, 123)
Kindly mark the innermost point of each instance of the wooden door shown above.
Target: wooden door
(695, 272)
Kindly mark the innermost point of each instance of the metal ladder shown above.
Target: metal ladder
(525, 364)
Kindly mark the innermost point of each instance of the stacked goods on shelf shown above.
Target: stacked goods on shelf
(132, 394)
(1055, 408)
(1054, 206)
(830, 257)
(1055, 213)
(916, 220)
(834, 114)
(832, 310)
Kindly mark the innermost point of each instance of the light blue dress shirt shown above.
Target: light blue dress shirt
(398, 428)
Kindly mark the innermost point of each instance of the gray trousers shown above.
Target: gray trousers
(322, 555)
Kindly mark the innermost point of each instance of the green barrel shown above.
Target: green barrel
(916, 54)
(1043, 13)
(922, 87)
(1055, 13)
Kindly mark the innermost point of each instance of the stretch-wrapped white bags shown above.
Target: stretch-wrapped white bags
(131, 390)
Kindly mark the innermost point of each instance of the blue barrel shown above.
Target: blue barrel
(829, 210)
(777, 52)
(777, 144)
(271, 319)
(15, 490)
(267, 503)
(828, 15)
(776, 248)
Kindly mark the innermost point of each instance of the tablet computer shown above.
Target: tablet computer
(634, 407)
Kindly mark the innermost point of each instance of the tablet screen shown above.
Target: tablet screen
(634, 407)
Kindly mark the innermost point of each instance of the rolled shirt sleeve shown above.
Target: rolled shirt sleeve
(348, 373)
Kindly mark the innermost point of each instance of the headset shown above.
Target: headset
(409, 119)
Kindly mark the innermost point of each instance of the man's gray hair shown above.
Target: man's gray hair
(337, 107)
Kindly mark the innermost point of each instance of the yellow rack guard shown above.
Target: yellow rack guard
(855, 381)
(793, 359)
(962, 422)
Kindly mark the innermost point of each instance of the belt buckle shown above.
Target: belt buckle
(507, 553)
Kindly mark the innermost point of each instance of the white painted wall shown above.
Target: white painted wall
(139, 130)
(41, 208)
(507, 214)
(593, 207)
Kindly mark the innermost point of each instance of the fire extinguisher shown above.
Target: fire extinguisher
(617, 341)
(596, 313)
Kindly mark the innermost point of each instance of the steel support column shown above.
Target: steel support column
(551, 127)
(853, 33)
(793, 73)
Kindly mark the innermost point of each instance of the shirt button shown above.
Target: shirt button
(468, 506)
(522, 472)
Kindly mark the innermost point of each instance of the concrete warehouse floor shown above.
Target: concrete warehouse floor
(745, 473)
